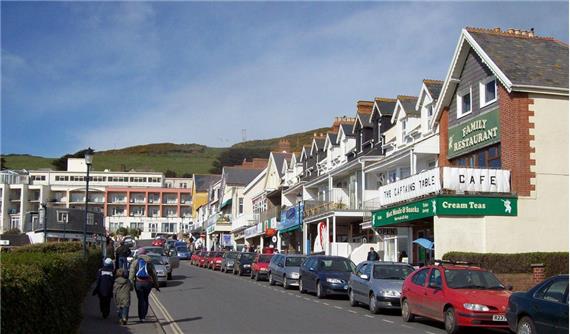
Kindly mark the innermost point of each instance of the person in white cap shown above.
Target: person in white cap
(104, 287)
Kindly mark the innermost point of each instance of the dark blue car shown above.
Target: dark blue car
(183, 252)
(542, 309)
(325, 275)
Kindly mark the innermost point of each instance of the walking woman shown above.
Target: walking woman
(143, 275)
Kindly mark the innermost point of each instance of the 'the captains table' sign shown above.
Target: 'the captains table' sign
(477, 180)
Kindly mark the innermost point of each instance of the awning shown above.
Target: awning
(290, 229)
(226, 203)
(425, 243)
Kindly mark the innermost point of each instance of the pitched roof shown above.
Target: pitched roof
(203, 181)
(434, 87)
(320, 141)
(409, 104)
(347, 129)
(240, 176)
(280, 158)
(383, 105)
(332, 137)
(525, 60)
(364, 118)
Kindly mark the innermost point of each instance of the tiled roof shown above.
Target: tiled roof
(332, 137)
(385, 105)
(409, 104)
(320, 141)
(364, 118)
(202, 182)
(280, 158)
(524, 59)
(347, 129)
(434, 87)
(240, 176)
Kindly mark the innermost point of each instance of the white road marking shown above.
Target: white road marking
(406, 326)
(289, 293)
(369, 316)
(316, 301)
(327, 304)
(298, 296)
(173, 325)
(388, 321)
(305, 298)
(428, 332)
(351, 311)
(338, 307)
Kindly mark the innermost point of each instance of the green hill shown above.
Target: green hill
(180, 158)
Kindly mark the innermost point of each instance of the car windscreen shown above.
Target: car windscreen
(387, 271)
(471, 279)
(340, 265)
(294, 261)
(182, 249)
(157, 250)
(264, 258)
(156, 259)
(218, 254)
(246, 256)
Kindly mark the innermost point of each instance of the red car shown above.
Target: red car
(203, 260)
(195, 257)
(159, 242)
(458, 295)
(215, 260)
(260, 266)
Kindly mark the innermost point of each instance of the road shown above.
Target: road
(202, 301)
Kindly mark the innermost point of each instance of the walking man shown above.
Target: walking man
(143, 274)
(372, 255)
(122, 253)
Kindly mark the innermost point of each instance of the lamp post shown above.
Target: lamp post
(88, 162)
(44, 219)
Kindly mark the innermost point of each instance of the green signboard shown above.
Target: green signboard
(475, 134)
(446, 206)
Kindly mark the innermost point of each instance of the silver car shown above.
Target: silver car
(160, 267)
(284, 268)
(228, 261)
(378, 284)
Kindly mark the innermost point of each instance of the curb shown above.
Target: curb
(159, 320)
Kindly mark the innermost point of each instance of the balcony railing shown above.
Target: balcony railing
(245, 219)
(338, 199)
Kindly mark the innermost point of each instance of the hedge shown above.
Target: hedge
(554, 263)
(43, 287)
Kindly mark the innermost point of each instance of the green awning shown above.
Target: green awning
(290, 229)
(226, 203)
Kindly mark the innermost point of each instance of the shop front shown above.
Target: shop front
(290, 229)
(414, 223)
(254, 236)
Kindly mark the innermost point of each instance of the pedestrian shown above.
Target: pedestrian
(122, 293)
(372, 255)
(143, 275)
(104, 287)
(109, 248)
(122, 253)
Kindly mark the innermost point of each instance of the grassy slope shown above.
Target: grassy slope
(181, 158)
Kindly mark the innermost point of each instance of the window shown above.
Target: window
(487, 91)
(404, 126)
(62, 217)
(152, 227)
(435, 279)
(404, 172)
(139, 226)
(464, 103)
(90, 219)
(392, 175)
(240, 206)
(420, 277)
(489, 157)
(553, 292)
(15, 222)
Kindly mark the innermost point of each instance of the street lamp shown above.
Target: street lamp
(88, 162)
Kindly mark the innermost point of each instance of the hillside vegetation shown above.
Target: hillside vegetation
(179, 158)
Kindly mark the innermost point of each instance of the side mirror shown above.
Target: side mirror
(364, 276)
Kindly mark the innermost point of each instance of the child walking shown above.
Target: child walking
(122, 292)
(104, 287)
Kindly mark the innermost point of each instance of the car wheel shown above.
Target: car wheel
(373, 304)
(271, 281)
(169, 276)
(320, 291)
(451, 326)
(351, 298)
(285, 283)
(526, 326)
(301, 290)
(407, 314)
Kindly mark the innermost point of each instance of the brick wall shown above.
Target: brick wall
(520, 281)
(443, 137)
(515, 139)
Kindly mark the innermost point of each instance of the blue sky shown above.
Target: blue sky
(115, 74)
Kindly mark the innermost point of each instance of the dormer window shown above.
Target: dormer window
(464, 105)
(404, 125)
(488, 91)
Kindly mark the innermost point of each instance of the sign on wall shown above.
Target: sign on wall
(290, 217)
(475, 134)
(447, 206)
(479, 180)
(417, 185)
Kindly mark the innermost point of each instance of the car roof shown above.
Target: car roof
(383, 263)
(293, 255)
(457, 267)
(328, 257)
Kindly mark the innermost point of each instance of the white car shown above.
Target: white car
(160, 267)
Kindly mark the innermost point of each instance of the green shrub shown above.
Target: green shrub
(52, 247)
(554, 263)
(42, 291)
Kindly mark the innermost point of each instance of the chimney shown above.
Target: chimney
(284, 145)
(497, 29)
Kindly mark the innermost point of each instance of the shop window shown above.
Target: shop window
(487, 91)
(489, 157)
(464, 105)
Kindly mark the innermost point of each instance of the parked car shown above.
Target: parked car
(203, 259)
(182, 252)
(160, 267)
(378, 284)
(242, 264)
(172, 260)
(158, 242)
(325, 275)
(260, 266)
(284, 268)
(215, 260)
(458, 295)
(228, 261)
(542, 309)
(170, 243)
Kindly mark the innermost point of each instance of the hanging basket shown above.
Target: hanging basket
(270, 232)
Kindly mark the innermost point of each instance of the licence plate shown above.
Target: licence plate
(499, 317)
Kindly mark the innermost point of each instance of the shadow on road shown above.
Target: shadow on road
(166, 323)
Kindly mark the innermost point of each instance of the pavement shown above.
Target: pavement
(93, 322)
